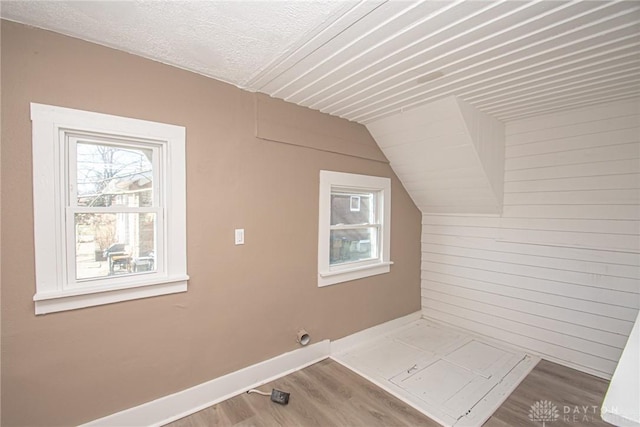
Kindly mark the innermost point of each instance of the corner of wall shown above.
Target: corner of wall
(488, 137)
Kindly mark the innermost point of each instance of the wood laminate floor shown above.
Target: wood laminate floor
(576, 396)
(328, 394)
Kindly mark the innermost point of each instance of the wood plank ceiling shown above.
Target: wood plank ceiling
(365, 60)
(510, 59)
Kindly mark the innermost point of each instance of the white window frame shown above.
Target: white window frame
(333, 274)
(54, 129)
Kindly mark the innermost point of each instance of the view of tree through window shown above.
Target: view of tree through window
(105, 172)
(112, 235)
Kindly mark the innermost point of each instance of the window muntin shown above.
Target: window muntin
(113, 203)
(354, 235)
(354, 227)
(103, 180)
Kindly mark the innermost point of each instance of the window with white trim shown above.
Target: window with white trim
(354, 227)
(109, 208)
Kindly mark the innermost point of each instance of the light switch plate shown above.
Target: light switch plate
(239, 236)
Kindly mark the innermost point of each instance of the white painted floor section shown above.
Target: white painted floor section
(452, 377)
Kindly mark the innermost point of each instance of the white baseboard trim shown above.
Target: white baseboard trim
(186, 402)
(178, 405)
(342, 344)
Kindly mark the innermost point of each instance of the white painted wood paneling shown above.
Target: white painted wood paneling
(558, 273)
(448, 155)
(366, 60)
(509, 59)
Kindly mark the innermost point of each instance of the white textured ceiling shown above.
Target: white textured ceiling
(227, 40)
(368, 60)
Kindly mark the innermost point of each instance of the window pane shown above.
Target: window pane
(352, 208)
(353, 245)
(111, 244)
(111, 175)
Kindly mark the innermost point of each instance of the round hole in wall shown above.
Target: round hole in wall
(303, 337)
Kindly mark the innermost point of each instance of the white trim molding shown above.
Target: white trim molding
(183, 403)
(358, 338)
(56, 133)
(186, 402)
(379, 190)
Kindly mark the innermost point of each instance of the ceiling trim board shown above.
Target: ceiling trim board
(365, 60)
(390, 109)
(291, 88)
(506, 117)
(470, 58)
(354, 114)
(560, 98)
(317, 104)
(394, 36)
(501, 78)
(309, 46)
(541, 90)
(352, 33)
(425, 52)
(591, 67)
(414, 69)
(288, 59)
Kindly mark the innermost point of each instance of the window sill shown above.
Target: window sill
(79, 298)
(326, 278)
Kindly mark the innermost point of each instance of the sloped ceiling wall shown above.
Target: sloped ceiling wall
(365, 60)
(448, 155)
(380, 63)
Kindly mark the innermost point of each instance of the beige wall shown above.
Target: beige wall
(244, 304)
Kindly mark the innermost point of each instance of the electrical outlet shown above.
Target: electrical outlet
(278, 396)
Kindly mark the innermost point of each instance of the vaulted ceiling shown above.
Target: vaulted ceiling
(371, 59)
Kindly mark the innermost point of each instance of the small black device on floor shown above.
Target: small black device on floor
(278, 396)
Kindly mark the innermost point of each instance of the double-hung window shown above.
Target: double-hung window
(354, 227)
(109, 208)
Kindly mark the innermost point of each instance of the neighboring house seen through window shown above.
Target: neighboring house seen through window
(354, 227)
(109, 208)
